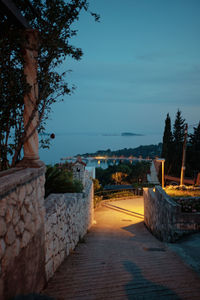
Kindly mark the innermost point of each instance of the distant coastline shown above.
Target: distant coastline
(150, 151)
(68, 144)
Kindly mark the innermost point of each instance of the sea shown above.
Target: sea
(72, 144)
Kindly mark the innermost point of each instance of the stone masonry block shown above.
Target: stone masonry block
(2, 248)
(23, 212)
(3, 207)
(30, 209)
(12, 198)
(16, 217)
(22, 194)
(30, 227)
(19, 229)
(10, 235)
(29, 189)
(27, 219)
(16, 247)
(9, 213)
(3, 227)
(25, 239)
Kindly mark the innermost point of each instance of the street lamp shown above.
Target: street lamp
(162, 160)
(184, 154)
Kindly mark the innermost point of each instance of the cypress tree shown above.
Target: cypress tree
(167, 144)
(178, 138)
(179, 128)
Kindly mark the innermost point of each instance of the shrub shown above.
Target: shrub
(60, 180)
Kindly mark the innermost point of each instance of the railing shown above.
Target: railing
(116, 195)
(120, 194)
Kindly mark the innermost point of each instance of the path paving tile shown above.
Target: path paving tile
(120, 259)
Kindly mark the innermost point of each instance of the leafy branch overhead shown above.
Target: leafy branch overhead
(53, 20)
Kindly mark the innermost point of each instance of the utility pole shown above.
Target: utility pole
(184, 155)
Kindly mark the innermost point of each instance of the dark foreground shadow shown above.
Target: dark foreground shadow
(33, 297)
(141, 288)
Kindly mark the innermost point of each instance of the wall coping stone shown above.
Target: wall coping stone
(162, 195)
(160, 191)
(16, 177)
(164, 217)
(10, 171)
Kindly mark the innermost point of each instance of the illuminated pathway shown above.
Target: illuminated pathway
(120, 259)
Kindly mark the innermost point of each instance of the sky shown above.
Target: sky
(140, 62)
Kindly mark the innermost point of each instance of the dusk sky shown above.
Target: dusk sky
(141, 61)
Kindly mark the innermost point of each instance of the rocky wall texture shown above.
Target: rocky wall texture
(164, 217)
(22, 216)
(36, 235)
(68, 217)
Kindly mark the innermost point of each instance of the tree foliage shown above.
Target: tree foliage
(97, 186)
(193, 153)
(123, 173)
(167, 142)
(178, 128)
(53, 20)
(194, 138)
(59, 180)
(177, 146)
(150, 151)
(173, 147)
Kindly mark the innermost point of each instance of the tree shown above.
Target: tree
(193, 153)
(167, 143)
(53, 20)
(119, 177)
(177, 149)
(178, 129)
(97, 186)
(195, 138)
(123, 173)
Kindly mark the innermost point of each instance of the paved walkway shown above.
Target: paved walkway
(120, 259)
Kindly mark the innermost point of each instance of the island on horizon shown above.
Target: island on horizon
(131, 134)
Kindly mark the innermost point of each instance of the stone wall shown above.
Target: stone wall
(164, 217)
(36, 235)
(21, 231)
(68, 217)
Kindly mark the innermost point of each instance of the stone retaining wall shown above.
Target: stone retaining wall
(21, 231)
(68, 217)
(164, 217)
(36, 235)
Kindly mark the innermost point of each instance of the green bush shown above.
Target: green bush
(60, 180)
